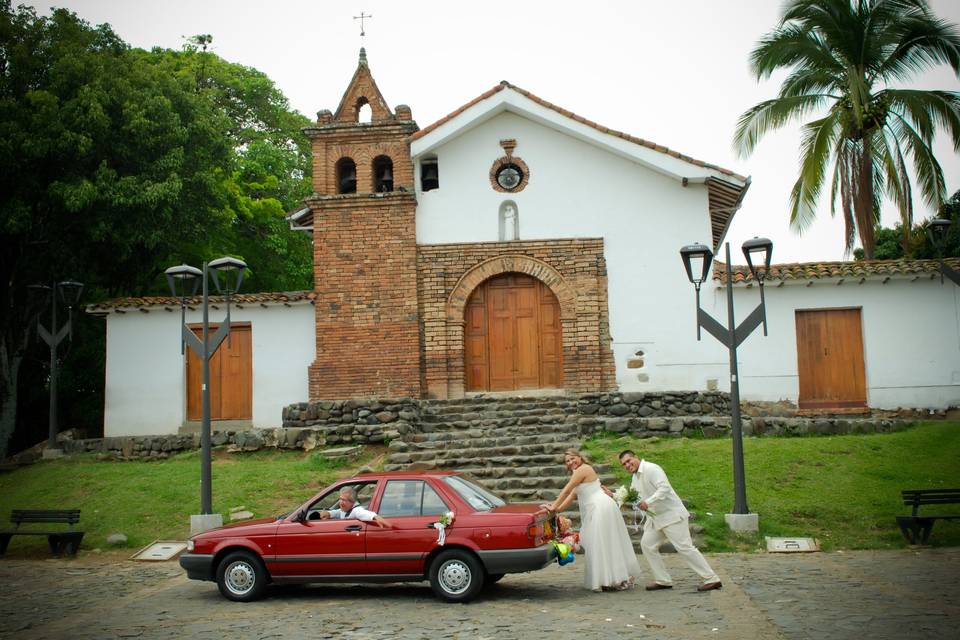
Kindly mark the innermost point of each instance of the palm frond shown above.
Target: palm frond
(807, 81)
(768, 116)
(917, 41)
(845, 158)
(927, 110)
(928, 170)
(897, 183)
(817, 143)
(790, 46)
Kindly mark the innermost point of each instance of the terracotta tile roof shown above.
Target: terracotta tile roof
(569, 114)
(169, 301)
(806, 271)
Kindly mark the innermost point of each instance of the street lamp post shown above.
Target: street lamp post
(696, 261)
(70, 294)
(937, 232)
(184, 278)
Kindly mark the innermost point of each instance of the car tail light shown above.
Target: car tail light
(536, 533)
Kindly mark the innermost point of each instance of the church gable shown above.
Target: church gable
(725, 188)
(362, 90)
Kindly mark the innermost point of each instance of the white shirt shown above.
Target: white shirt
(357, 512)
(665, 506)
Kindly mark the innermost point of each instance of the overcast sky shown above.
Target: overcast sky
(671, 71)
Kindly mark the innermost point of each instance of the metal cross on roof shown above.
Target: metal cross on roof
(361, 18)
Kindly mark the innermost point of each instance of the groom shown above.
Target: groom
(667, 519)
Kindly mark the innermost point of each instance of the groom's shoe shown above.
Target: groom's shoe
(655, 586)
(710, 586)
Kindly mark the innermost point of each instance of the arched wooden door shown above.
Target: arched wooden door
(512, 337)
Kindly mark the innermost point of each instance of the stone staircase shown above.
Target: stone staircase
(512, 446)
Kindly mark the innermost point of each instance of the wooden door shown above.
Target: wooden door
(830, 359)
(231, 378)
(512, 335)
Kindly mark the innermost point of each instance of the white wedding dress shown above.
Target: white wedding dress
(611, 560)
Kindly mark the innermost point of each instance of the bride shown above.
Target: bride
(611, 561)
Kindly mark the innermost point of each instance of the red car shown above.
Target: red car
(487, 539)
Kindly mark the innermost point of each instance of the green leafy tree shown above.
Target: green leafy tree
(891, 244)
(270, 170)
(106, 165)
(843, 57)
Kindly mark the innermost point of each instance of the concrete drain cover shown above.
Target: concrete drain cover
(792, 545)
(160, 550)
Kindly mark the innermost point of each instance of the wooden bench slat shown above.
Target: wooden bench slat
(915, 527)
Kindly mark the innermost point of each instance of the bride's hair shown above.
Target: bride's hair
(574, 452)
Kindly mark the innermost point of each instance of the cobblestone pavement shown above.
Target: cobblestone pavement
(876, 595)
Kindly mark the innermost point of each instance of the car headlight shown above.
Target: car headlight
(190, 545)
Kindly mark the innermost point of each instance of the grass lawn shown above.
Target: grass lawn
(150, 501)
(842, 490)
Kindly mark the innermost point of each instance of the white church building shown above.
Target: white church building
(479, 255)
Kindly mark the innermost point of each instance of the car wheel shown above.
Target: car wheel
(456, 576)
(241, 577)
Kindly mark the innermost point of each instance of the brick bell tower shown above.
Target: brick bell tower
(364, 248)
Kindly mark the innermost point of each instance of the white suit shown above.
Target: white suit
(667, 519)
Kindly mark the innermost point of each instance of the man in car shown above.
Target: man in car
(348, 509)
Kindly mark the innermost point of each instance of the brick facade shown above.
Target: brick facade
(364, 252)
(574, 270)
(390, 314)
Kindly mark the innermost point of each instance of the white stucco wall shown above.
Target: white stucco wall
(578, 190)
(146, 374)
(911, 339)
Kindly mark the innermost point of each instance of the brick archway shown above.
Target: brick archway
(574, 270)
(505, 264)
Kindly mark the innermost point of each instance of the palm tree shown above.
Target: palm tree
(843, 56)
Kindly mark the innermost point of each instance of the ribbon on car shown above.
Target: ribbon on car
(441, 533)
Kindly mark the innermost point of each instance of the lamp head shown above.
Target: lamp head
(186, 276)
(937, 231)
(70, 291)
(225, 266)
(696, 260)
(758, 252)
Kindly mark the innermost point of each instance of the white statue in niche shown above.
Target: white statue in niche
(509, 221)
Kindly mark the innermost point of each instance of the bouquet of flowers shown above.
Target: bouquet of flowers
(626, 495)
(441, 525)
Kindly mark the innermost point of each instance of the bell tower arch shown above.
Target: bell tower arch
(364, 242)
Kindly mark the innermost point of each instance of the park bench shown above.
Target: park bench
(916, 528)
(60, 541)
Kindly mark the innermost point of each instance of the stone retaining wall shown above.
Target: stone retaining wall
(719, 427)
(646, 404)
(309, 425)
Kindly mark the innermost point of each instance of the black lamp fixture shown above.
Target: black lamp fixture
(758, 252)
(184, 281)
(183, 278)
(69, 294)
(937, 231)
(696, 260)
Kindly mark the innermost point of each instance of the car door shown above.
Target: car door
(313, 546)
(411, 506)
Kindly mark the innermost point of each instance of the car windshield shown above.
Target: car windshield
(475, 495)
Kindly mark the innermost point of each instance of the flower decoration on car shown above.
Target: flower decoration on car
(441, 525)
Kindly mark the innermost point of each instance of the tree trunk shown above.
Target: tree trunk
(9, 371)
(863, 201)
